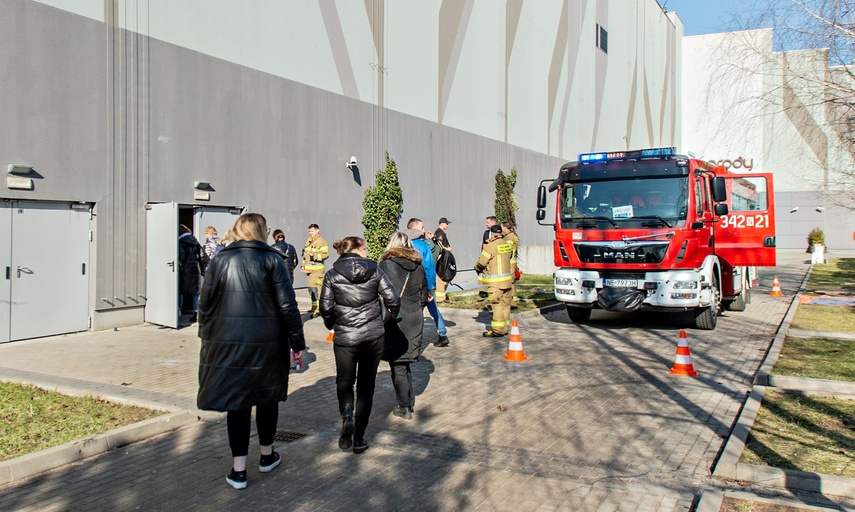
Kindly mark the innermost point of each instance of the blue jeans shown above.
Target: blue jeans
(195, 301)
(437, 317)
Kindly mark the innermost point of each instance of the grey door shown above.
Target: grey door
(161, 261)
(6, 268)
(49, 271)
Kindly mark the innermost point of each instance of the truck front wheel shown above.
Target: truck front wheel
(579, 315)
(706, 317)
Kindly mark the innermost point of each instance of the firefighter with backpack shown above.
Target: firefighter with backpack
(441, 241)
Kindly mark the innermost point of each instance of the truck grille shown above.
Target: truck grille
(621, 253)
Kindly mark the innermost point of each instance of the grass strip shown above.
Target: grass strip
(836, 277)
(817, 358)
(808, 433)
(813, 317)
(34, 419)
(533, 292)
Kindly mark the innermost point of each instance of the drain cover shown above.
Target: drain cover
(288, 436)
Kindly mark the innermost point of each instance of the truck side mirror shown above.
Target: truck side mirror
(719, 190)
(720, 209)
(541, 197)
(541, 214)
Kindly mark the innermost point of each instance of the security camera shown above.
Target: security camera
(794, 210)
(351, 163)
(820, 209)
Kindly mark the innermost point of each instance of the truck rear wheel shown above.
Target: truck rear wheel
(741, 301)
(706, 317)
(579, 315)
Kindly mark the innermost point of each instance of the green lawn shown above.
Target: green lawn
(817, 358)
(34, 419)
(533, 292)
(803, 432)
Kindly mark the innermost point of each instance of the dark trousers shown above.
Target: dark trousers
(357, 365)
(402, 380)
(239, 424)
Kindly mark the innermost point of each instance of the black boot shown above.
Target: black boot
(360, 444)
(345, 441)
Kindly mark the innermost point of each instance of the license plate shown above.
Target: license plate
(621, 283)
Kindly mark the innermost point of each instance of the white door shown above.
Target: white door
(219, 217)
(6, 268)
(49, 271)
(161, 262)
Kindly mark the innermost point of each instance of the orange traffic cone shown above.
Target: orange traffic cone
(776, 288)
(515, 350)
(330, 336)
(683, 360)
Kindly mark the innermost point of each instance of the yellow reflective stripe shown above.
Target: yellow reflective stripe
(313, 267)
(485, 253)
(497, 324)
(495, 277)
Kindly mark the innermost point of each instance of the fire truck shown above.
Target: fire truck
(652, 229)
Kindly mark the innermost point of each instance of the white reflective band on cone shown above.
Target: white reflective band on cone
(683, 360)
(515, 345)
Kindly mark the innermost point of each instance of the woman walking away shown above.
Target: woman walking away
(350, 305)
(248, 322)
(403, 265)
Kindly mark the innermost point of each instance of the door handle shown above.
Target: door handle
(171, 264)
(25, 270)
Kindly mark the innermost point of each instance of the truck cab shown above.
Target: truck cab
(657, 230)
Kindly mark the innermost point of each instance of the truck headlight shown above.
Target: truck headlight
(563, 281)
(685, 285)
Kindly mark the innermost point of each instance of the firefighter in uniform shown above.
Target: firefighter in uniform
(495, 265)
(512, 238)
(314, 254)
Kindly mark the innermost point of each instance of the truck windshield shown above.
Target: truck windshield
(632, 202)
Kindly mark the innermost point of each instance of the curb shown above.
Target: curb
(838, 388)
(710, 501)
(34, 463)
(729, 467)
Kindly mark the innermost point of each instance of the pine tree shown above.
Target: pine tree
(383, 204)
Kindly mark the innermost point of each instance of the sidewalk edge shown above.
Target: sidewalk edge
(38, 462)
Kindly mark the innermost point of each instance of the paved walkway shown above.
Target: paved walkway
(594, 421)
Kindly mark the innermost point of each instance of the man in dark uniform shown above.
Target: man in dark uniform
(441, 240)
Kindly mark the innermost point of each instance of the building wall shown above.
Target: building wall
(757, 110)
(126, 102)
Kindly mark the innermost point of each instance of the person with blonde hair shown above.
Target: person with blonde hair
(350, 305)
(210, 248)
(248, 323)
(403, 339)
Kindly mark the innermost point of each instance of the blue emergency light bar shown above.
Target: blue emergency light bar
(618, 155)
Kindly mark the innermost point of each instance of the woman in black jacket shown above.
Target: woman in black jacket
(248, 322)
(403, 265)
(350, 305)
(189, 271)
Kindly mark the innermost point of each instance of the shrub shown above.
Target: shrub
(816, 237)
(383, 204)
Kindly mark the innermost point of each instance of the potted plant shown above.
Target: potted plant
(816, 239)
(816, 245)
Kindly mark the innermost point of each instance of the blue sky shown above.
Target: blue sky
(704, 16)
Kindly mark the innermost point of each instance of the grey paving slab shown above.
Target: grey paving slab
(593, 421)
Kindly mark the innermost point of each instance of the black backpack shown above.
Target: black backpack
(446, 267)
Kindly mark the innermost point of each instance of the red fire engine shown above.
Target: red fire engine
(657, 230)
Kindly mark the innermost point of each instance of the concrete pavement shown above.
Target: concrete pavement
(593, 421)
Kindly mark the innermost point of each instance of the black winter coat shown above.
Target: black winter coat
(289, 254)
(350, 300)
(397, 263)
(189, 265)
(248, 320)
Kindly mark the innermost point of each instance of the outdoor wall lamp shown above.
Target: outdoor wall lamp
(19, 179)
(201, 190)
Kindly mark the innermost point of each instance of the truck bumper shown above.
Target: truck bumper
(672, 289)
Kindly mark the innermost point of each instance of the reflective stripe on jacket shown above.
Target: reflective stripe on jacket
(314, 254)
(496, 260)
